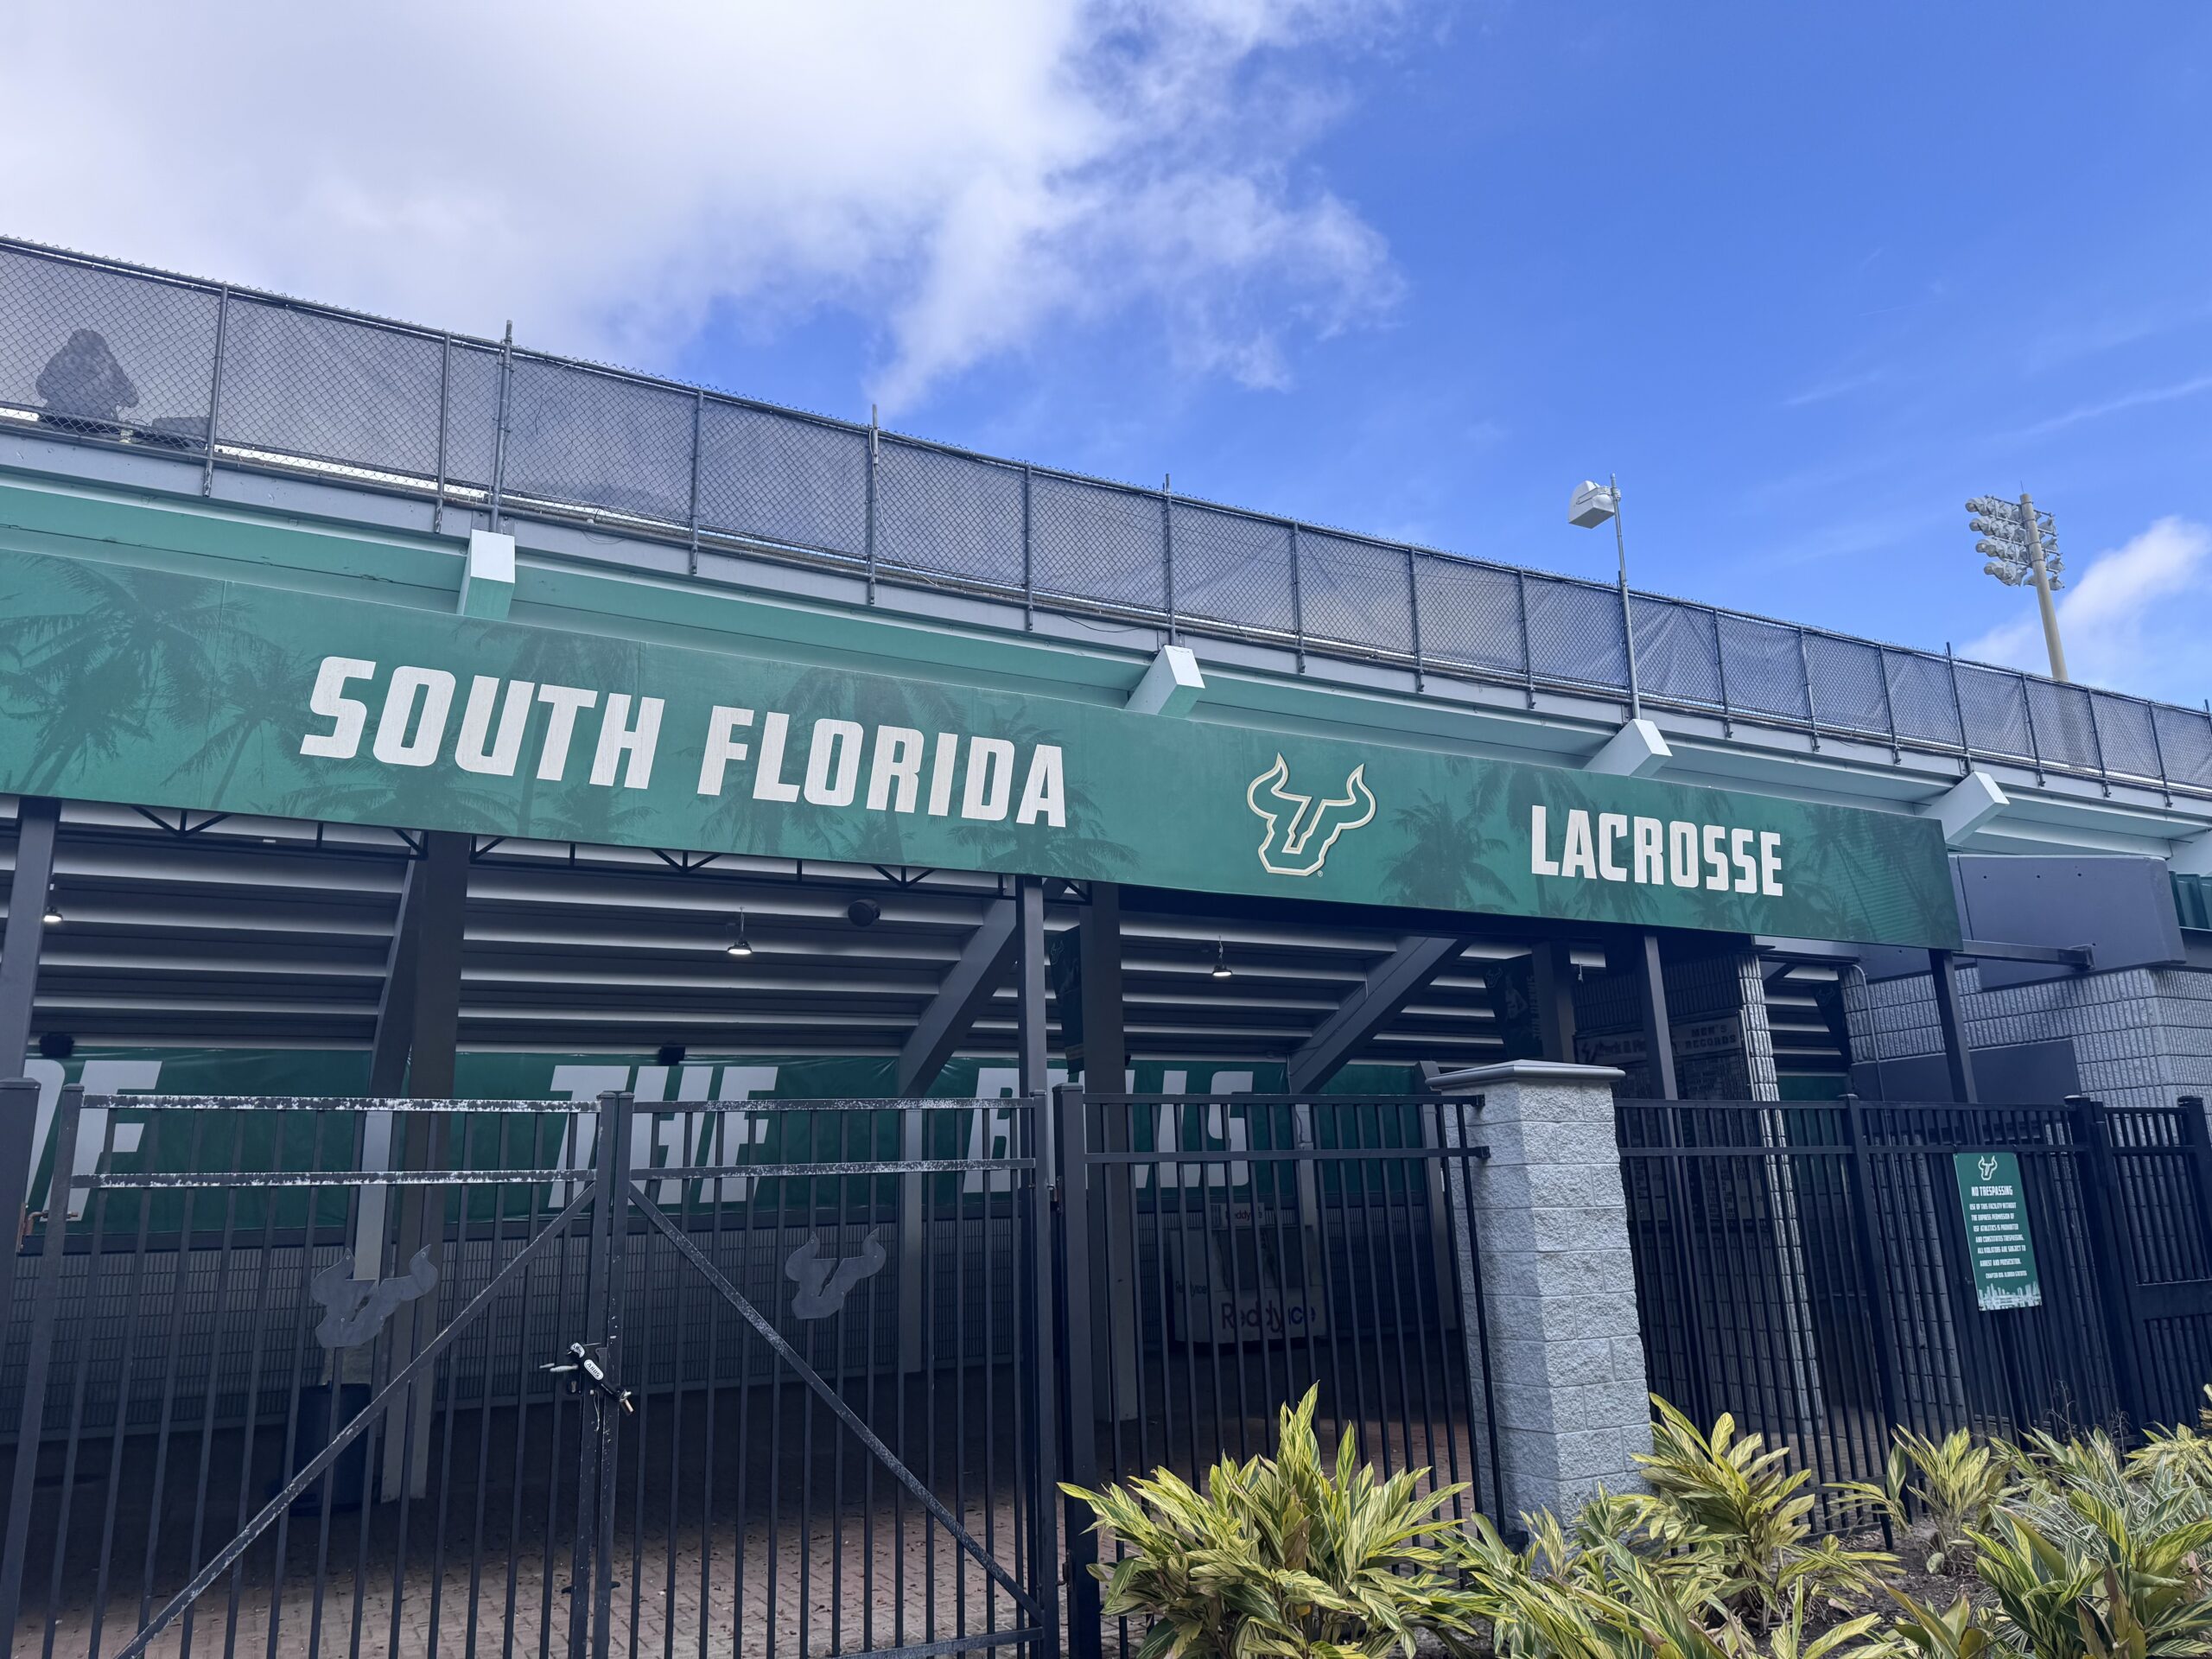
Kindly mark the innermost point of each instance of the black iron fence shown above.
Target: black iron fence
(769, 1377)
(343, 1377)
(1826, 1270)
(1222, 1254)
(95, 351)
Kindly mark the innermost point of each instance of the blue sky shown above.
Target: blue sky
(1806, 278)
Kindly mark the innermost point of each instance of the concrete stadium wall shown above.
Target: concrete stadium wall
(2141, 1036)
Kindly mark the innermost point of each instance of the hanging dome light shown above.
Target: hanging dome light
(52, 917)
(739, 945)
(1221, 968)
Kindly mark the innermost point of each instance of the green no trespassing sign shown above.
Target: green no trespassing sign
(1998, 1245)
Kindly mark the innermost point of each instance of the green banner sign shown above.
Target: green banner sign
(1998, 1245)
(125, 684)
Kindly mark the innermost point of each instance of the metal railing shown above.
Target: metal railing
(91, 350)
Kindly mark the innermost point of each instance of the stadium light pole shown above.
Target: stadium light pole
(1590, 505)
(2021, 545)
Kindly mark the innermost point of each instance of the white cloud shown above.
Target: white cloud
(2135, 620)
(2136, 399)
(966, 176)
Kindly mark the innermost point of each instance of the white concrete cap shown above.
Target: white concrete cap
(1474, 1076)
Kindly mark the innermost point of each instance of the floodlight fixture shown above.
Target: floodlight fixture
(51, 915)
(2019, 547)
(1221, 968)
(739, 945)
(1592, 504)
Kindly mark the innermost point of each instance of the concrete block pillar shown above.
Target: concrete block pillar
(1549, 1223)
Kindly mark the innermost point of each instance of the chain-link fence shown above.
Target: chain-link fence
(94, 350)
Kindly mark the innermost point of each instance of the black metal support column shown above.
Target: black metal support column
(395, 1030)
(1052, 1313)
(1658, 1030)
(1029, 983)
(433, 914)
(36, 818)
(1113, 1267)
(1554, 997)
(1105, 1049)
(1951, 1013)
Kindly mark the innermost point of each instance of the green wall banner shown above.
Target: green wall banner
(121, 683)
(1998, 1245)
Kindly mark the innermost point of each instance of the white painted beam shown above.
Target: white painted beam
(487, 586)
(1636, 751)
(1966, 806)
(1170, 686)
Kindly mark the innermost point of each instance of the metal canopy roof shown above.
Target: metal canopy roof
(248, 933)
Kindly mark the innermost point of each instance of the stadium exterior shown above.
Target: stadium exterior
(390, 714)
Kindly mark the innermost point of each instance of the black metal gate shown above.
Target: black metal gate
(748, 1376)
(1806, 1266)
(1222, 1254)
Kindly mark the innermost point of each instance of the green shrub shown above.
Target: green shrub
(2182, 1456)
(2092, 1557)
(1728, 1499)
(1955, 1485)
(1279, 1556)
(2141, 1595)
(1579, 1591)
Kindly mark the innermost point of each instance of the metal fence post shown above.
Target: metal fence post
(2158, 751)
(875, 448)
(1628, 635)
(1889, 704)
(1413, 604)
(2108, 1258)
(215, 391)
(1297, 599)
(1028, 553)
(698, 417)
(2097, 742)
(1959, 706)
(2196, 1136)
(1528, 657)
(1812, 703)
(600, 1405)
(2028, 714)
(500, 429)
(1720, 673)
(1167, 548)
(1873, 1267)
(45, 1299)
(1078, 1424)
(1045, 1499)
(445, 400)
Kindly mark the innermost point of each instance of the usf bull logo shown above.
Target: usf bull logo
(1302, 829)
(355, 1309)
(824, 1282)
